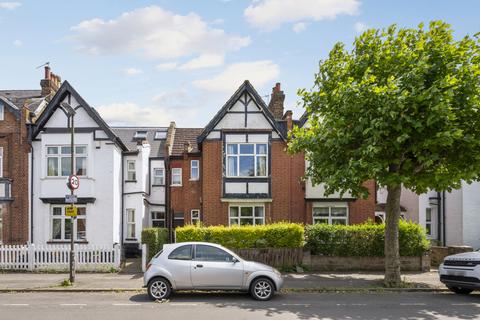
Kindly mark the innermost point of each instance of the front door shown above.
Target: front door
(215, 268)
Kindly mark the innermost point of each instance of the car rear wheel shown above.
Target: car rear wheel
(459, 290)
(262, 289)
(159, 289)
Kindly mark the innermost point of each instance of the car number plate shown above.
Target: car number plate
(457, 273)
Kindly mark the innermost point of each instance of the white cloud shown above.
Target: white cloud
(9, 5)
(299, 27)
(132, 71)
(258, 72)
(360, 27)
(217, 22)
(270, 14)
(204, 61)
(154, 33)
(17, 43)
(166, 66)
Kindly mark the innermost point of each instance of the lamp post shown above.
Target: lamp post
(71, 113)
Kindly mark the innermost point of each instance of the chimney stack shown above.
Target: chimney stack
(50, 84)
(276, 102)
(289, 118)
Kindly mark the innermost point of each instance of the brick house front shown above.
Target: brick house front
(236, 170)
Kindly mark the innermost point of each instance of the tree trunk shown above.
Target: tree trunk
(392, 255)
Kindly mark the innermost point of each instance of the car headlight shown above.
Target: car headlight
(277, 273)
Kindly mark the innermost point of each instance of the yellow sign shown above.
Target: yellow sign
(71, 211)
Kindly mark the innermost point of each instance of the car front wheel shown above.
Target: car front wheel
(262, 289)
(159, 289)
(459, 290)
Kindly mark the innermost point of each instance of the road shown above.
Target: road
(91, 306)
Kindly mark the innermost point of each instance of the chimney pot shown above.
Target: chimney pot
(47, 73)
(277, 87)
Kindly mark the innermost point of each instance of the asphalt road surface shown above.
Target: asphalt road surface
(211, 306)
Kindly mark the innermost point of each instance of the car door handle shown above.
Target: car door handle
(199, 265)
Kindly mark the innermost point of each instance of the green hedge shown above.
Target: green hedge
(363, 239)
(276, 235)
(154, 238)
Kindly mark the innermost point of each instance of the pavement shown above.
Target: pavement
(208, 306)
(413, 281)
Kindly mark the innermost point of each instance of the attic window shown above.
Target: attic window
(160, 135)
(140, 135)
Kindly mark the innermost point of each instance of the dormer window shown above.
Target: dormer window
(159, 135)
(140, 135)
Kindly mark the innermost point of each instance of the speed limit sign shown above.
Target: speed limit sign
(73, 182)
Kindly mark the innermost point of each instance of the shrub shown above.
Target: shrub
(154, 238)
(363, 239)
(277, 235)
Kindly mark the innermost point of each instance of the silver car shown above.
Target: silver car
(207, 266)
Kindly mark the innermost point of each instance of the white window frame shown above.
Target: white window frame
(152, 219)
(330, 218)
(160, 135)
(429, 222)
(63, 218)
(128, 222)
(196, 219)
(1, 162)
(59, 156)
(176, 172)
(240, 206)
(238, 156)
(197, 166)
(2, 112)
(160, 177)
(132, 171)
(1, 223)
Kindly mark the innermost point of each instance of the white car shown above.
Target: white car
(207, 266)
(461, 272)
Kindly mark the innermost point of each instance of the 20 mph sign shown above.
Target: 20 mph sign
(73, 182)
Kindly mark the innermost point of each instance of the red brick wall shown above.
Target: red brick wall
(362, 209)
(187, 197)
(14, 140)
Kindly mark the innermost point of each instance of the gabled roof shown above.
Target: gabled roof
(24, 98)
(185, 135)
(245, 87)
(13, 108)
(127, 135)
(62, 92)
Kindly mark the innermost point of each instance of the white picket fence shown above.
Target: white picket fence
(57, 257)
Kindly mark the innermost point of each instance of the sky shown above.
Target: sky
(151, 62)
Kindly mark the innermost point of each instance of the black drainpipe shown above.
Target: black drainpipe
(439, 218)
(31, 189)
(444, 219)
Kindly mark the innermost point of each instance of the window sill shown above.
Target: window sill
(66, 242)
(194, 180)
(175, 185)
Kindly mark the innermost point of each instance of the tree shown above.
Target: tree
(401, 107)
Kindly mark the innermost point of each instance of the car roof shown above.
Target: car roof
(177, 244)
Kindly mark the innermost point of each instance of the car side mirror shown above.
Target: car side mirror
(234, 260)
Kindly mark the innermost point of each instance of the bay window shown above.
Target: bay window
(246, 160)
(62, 224)
(131, 170)
(246, 215)
(158, 219)
(330, 214)
(59, 161)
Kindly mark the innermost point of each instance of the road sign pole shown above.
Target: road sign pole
(72, 219)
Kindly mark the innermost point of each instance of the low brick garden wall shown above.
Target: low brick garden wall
(332, 263)
(437, 254)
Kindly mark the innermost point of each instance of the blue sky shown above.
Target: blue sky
(151, 62)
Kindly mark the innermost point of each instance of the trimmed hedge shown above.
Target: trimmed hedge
(276, 235)
(154, 238)
(363, 240)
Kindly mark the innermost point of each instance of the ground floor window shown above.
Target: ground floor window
(428, 221)
(178, 219)
(246, 215)
(62, 225)
(195, 216)
(158, 219)
(330, 214)
(130, 223)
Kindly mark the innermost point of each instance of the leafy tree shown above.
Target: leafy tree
(401, 107)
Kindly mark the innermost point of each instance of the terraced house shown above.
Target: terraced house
(236, 170)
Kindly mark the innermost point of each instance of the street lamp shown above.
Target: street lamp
(71, 114)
